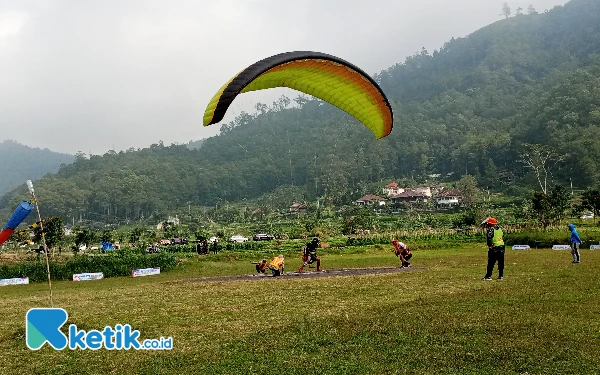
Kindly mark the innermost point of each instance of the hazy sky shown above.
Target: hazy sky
(112, 74)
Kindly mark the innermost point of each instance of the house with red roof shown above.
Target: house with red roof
(392, 189)
(370, 200)
(409, 196)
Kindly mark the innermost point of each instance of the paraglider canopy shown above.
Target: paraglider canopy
(318, 74)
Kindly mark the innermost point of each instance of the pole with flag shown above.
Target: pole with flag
(34, 201)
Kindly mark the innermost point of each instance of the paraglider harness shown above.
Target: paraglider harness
(309, 255)
(402, 251)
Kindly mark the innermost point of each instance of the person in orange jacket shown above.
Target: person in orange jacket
(402, 251)
(261, 266)
(276, 265)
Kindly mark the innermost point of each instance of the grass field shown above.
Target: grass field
(544, 318)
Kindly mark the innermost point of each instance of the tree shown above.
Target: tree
(506, 10)
(136, 235)
(542, 208)
(551, 208)
(541, 159)
(467, 186)
(84, 236)
(364, 219)
(531, 10)
(519, 11)
(53, 231)
(591, 201)
(560, 202)
(106, 235)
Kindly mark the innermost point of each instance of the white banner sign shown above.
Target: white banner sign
(88, 276)
(561, 247)
(594, 247)
(16, 281)
(521, 247)
(145, 272)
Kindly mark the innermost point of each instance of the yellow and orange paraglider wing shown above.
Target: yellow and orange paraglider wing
(320, 75)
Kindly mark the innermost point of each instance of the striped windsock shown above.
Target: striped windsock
(17, 217)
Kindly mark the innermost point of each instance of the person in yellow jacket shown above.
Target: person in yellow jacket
(276, 265)
(496, 249)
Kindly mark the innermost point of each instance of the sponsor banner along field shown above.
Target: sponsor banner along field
(14, 281)
(88, 276)
(145, 272)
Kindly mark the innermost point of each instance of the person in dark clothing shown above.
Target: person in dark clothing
(496, 249)
(205, 247)
(199, 248)
(215, 246)
(309, 255)
(575, 243)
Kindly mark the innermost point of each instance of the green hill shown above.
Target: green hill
(465, 108)
(21, 163)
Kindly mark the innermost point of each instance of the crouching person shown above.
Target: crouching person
(261, 266)
(402, 251)
(277, 265)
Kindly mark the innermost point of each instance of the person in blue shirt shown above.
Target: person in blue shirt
(575, 243)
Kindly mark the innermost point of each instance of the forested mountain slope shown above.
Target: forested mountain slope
(20, 163)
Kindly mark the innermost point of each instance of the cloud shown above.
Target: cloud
(11, 23)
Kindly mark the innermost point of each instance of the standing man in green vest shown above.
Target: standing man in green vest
(495, 243)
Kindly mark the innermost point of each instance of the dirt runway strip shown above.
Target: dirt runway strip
(309, 274)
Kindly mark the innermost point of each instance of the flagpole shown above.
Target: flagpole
(30, 187)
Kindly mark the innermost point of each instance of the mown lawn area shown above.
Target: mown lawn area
(543, 318)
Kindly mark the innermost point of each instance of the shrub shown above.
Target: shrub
(113, 264)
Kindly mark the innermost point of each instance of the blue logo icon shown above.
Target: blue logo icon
(43, 325)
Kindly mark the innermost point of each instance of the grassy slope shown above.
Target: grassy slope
(543, 318)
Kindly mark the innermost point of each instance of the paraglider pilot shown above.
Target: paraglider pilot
(402, 252)
(309, 255)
